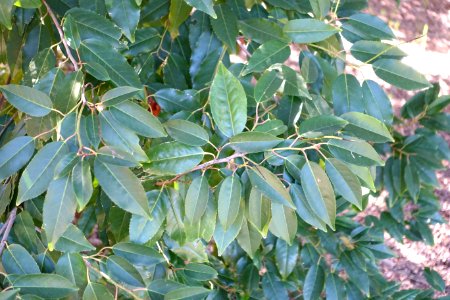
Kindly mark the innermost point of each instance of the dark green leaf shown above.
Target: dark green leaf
(376, 102)
(73, 240)
(121, 270)
(371, 26)
(25, 231)
(116, 156)
(273, 288)
(396, 73)
(138, 255)
(72, 267)
(178, 13)
(189, 292)
(196, 199)
(17, 260)
(259, 212)
(267, 86)
(283, 223)
(314, 281)
(372, 50)
(434, 279)
(97, 291)
(249, 238)
(120, 94)
(294, 84)
(28, 100)
(355, 152)
(262, 30)
(347, 94)
(82, 183)
(335, 287)
(200, 272)
(225, 26)
(304, 209)
(172, 100)
(125, 13)
(14, 155)
(187, 132)
(252, 141)
(203, 5)
(158, 288)
(366, 127)
(321, 125)
(222, 237)
(47, 286)
(305, 31)
(5, 13)
(286, 257)
(229, 201)
(269, 53)
(412, 181)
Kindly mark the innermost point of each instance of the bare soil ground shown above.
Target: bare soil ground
(431, 56)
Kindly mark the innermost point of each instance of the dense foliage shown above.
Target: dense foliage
(140, 159)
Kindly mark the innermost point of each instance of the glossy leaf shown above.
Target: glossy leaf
(138, 255)
(187, 132)
(334, 287)
(97, 291)
(203, 5)
(222, 237)
(200, 272)
(347, 94)
(396, 73)
(249, 238)
(225, 26)
(82, 183)
(283, 223)
(267, 86)
(314, 281)
(189, 292)
(286, 257)
(262, 30)
(355, 152)
(179, 11)
(125, 13)
(372, 50)
(229, 201)
(73, 240)
(14, 155)
(371, 26)
(17, 260)
(116, 156)
(267, 54)
(251, 142)
(28, 100)
(122, 271)
(321, 125)
(45, 285)
(196, 199)
(304, 209)
(377, 103)
(120, 94)
(434, 279)
(72, 267)
(259, 213)
(5, 13)
(304, 31)
(366, 127)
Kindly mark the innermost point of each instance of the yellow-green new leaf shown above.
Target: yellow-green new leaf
(28, 100)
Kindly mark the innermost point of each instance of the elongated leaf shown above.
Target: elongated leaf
(283, 223)
(120, 94)
(173, 158)
(72, 267)
(371, 26)
(122, 187)
(203, 5)
(73, 240)
(47, 286)
(321, 125)
(304, 31)
(196, 199)
(294, 165)
(268, 183)
(396, 73)
(17, 260)
(223, 238)
(119, 71)
(37, 175)
(82, 183)
(372, 50)
(434, 279)
(249, 238)
(225, 26)
(366, 127)
(259, 213)
(26, 99)
(294, 84)
(273, 127)
(229, 201)
(355, 152)
(97, 291)
(286, 257)
(304, 209)
(25, 231)
(178, 13)
(187, 132)
(228, 102)
(82, 24)
(172, 100)
(189, 292)
(377, 103)
(267, 85)
(200, 272)
(147, 40)
(121, 270)
(59, 209)
(5, 13)
(269, 53)
(344, 181)
(14, 155)
(116, 156)
(262, 30)
(251, 142)
(319, 192)
(138, 119)
(158, 288)
(335, 287)
(412, 180)
(314, 281)
(138, 255)
(125, 13)
(347, 94)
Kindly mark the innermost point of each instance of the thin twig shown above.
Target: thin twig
(9, 223)
(61, 35)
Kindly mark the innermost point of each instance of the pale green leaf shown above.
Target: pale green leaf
(47, 286)
(400, 75)
(229, 201)
(197, 199)
(304, 31)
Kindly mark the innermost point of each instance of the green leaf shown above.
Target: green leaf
(283, 223)
(25, 231)
(178, 13)
(228, 102)
(17, 260)
(371, 26)
(28, 3)
(373, 50)
(82, 24)
(116, 156)
(204, 6)
(286, 257)
(267, 86)
(59, 209)
(268, 183)
(5, 13)
(138, 255)
(273, 287)
(225, 26)
(196, 199)
(147, 40)
(120, 94)
(37, 175)
(396, 73)
(294, 84)
(121, 270)
(259, 213)
(92, 130)
(376, 102)
(142, 229)
(119, 221)
(72, 267)
(47, 286)
(412, 181)
(319, 192)
(14, 155)
(314, 281)
(305, 31)
(321, 125)
(366, 127)
(73, 240)
(118, 69)
(189, 292)
(97, 291)
(122, 187)
(355, 152)
(158, 288)
(294, 164)
(187, 132)
(335, 287)
(138, 119)
(229, 200)
(273, 127)
(434, 279)
(114, 134)
(267, 54)
(344, 181)
(347, 94)
(320, 8)
(28, 100)
(223, 237)
(249, 238)
(82, 183)
(173, 158)
(252, 141)
(125, 13)
(304, 209)
(172, 100)
(262, 30)
(200, 272)
(9, 294)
